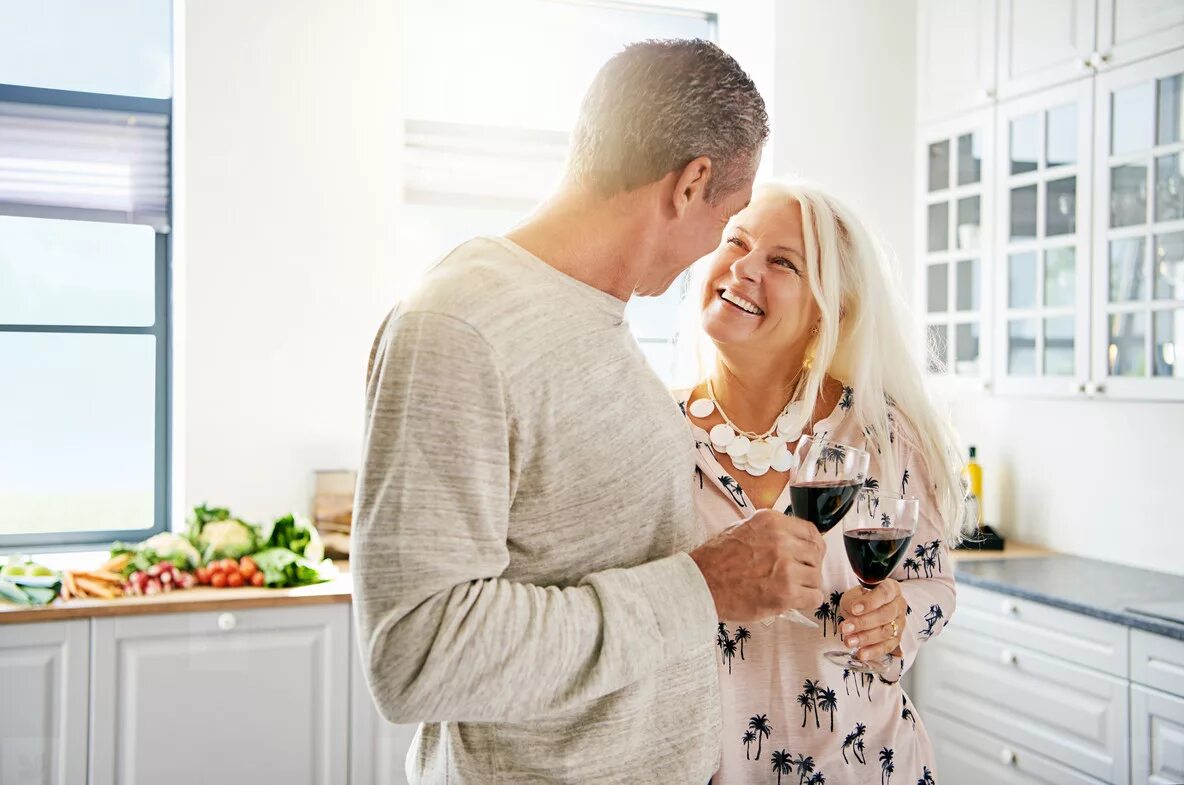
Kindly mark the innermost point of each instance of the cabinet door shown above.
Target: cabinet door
(43, 693)
(258, 695)
(1043, 177)
(1138, 324)
(1043, 43)
(968, 755)
(954, 216)
(1069, 714)
(956, 72)
(1130, 30)
(377, 748)
(1157, 737)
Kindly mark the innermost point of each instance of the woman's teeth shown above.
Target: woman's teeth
(741, 303)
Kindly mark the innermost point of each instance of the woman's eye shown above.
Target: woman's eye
(736, 241)
(782, 261)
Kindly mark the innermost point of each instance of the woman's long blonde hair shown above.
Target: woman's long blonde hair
(863, 340)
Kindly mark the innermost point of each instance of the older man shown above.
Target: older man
(523, 581)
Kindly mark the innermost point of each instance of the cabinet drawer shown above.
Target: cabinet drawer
(1094, 643)
(1157, 737)
(1071, 714)
(970, 756)
(1157, 661)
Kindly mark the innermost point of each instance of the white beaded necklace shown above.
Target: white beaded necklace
(751, 452)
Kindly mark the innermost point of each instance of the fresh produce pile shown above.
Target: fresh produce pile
(217, 550)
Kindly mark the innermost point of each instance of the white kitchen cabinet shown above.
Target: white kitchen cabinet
(1138, 245)
(377, 748)
(955, 198)
(1157, 661)
(260, 694)
(956, 66)
(1131, 30)
(1042, 276)
(967, 755)
(1157, 737)
(43, 692)
(1043, 43)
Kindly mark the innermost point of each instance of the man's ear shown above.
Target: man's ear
(691, 184)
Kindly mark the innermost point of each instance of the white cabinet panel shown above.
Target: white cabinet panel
(43, 702)
(1157, 661)
(968, 756)
(956, 67)
(256, 691)
(1043, 43)
(1071, 714)
(1130, 30)
(1157, 737)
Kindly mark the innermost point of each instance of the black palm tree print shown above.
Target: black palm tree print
(734, 489)
(904, 482)
(859, 751)
(935, 552)
(828, 702)
(885, 520)
(810, 689)
(911, 564)
(721, 634)
(921, 552)
(832, 453)
(760, 724)
(870, 486)
(805, 765)
(835, 598)
(749, 738)
(848, 399)
(869, 679)
(807, 704)
(729, 653)
(699, 475)
(742, 634)
(886, 767)
(906, 713)
(857, 742)
(926, 777)
(931, 619)
(846, 678)
(930, 563)
(817, 779)
(822, 613)
(782, 763)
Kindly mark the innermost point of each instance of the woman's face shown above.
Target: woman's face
(757, 295)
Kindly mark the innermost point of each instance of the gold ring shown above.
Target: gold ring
(895, 629)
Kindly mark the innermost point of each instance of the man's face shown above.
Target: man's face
(693, 235)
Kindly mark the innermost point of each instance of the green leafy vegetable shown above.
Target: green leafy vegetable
(298, 536)
(283, 567)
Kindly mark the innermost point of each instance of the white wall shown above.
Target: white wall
(843, 108)
(287, 188)
(1092, 478)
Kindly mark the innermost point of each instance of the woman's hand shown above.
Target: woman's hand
(873, 620)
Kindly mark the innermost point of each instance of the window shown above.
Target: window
(486, 135)
(85, 115)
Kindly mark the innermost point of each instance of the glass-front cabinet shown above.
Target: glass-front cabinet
(1041, 323)
(954, 227)
(1138, 310)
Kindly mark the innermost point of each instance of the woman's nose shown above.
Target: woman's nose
(747, 267)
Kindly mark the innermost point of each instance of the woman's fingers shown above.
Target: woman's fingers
(875, 651)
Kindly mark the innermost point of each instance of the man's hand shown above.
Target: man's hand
(763, 566)
(873, 620)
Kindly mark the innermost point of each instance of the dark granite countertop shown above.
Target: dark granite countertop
(1088, 586)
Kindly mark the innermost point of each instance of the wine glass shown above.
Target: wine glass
(823, 485)
(876, 537)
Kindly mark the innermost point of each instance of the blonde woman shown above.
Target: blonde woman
(806, 329)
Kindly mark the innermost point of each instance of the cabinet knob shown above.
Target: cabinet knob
(1085, 63)
(1010, 608)
(227, 622)
(1007, 657)
(1098, 59)
(1093, 388)
(1007, 757)
(986, 94)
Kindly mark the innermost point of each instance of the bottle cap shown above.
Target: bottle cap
(973, 451)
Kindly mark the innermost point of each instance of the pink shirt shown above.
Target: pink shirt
(784, 704)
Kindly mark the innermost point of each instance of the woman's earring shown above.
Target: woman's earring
(814, 330)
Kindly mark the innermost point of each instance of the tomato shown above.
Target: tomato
(203, 575)
(229, 566)
(234, 580)
(257, 579)
(247, 567)
(218, 580)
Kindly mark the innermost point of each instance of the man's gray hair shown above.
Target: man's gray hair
(658, 105)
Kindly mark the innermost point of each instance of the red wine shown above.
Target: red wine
(823, 503)
(874, 553)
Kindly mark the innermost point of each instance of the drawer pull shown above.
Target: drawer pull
(227, 622)
(1007, 757)
(1010, 608)
(1007, 657)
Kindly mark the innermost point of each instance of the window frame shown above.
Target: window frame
(161, 329)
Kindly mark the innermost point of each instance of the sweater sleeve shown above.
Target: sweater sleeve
(443, 636)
